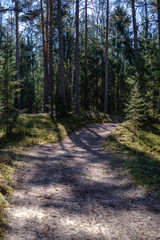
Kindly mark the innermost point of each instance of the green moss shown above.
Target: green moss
(6, 184)
(139, 152)
(33, 129)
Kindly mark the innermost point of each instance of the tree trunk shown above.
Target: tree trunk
(0, 14)
(77, 57)
(135, 34)
(44, 61)
(72, 78)
(61, 52)
(86, 46)
(46, 54)
(158, 9)
(17, 53)
(73, 64)
(50, 88)
(6, 90)
(106, 62)
(0, 23)
(146, 19)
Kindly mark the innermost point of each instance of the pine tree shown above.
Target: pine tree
(61, 53)
(106, 61)
(136, 109)
(77, 58)
(8, 112)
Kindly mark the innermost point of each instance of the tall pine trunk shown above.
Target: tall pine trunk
(61, 52)
(135, 34)
(44, 60)
(0, 23)
(46, 53)
(50, 88)
(73, 63)
(77, 57)
(158, 10)
(17, 53)
(86, 53)
(146, 19)
(72, 78)
(106, 62)
(0, 14)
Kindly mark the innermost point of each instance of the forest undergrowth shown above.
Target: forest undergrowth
(30, 130)
(138, 149)
(33, 129)
(6, 186)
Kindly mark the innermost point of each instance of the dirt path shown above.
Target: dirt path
(69, 191)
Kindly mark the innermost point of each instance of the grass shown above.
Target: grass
(33, 129)
(138, 148)
(30, 130)
(6, 184)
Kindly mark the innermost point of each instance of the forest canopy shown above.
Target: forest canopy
(62, 56)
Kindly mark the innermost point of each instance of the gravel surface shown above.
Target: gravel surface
(70, 191)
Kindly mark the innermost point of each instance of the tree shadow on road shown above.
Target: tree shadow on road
(66, 165)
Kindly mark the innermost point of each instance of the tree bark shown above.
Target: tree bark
(86, 35)
(106, 62)
(72, 78)
(61, 52)
(50, 89)
(146, 19)
(158, 10)
(86, 52)
(0, 23)
(44, 62)
(77, 58)
(17, 53)
(135, 34)
(0, 14)
(46, 53)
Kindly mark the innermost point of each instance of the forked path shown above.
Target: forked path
(69, 191)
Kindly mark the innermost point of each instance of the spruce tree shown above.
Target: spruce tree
(136, 109)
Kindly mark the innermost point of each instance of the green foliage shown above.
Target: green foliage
(121, 60)
(8, 113)
(138, 149)
(136, 109)
(9, 117)
(151, 76)
(121, 56)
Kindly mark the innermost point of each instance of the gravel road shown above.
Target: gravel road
(70, 191)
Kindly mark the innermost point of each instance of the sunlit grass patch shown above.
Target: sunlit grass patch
(6, 184)
(139, 148)
(33, 129)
